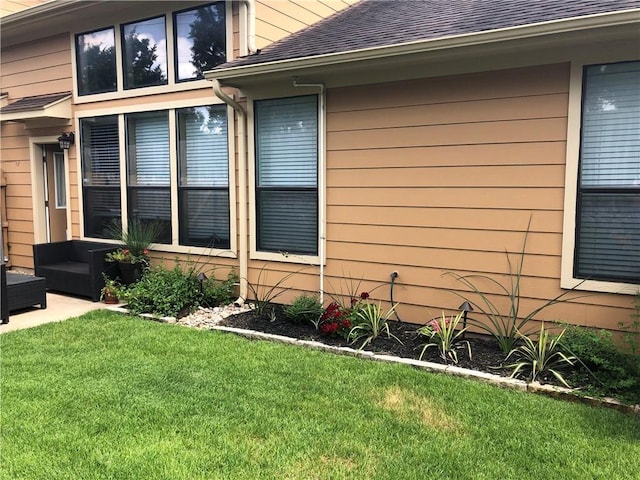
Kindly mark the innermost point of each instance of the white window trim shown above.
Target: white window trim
(171, 107)
(170, 87)
(254, 253)
(574, 120)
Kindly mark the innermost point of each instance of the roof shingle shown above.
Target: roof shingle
(34, 103)
(378, 23)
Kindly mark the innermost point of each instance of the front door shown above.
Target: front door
(55, 192)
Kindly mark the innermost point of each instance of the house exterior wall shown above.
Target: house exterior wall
(275, 19)
(442, 175)
(36, 68)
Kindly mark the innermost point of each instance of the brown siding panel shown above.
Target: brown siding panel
(443, 174)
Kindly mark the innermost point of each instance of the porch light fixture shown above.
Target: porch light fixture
(66, 140)
(465, 308)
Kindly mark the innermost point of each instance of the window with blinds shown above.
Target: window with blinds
(608, 213)
(287, 174)
(149, 172)
(203, 186)
(100, 174)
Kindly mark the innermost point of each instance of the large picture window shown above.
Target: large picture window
(200, 40)
(149, 176)
(100, 174)
(287, 175)
(145, 53)
(96, 62)
(203, 177)
(608, 223)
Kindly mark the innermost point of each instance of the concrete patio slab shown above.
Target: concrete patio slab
(59, 307)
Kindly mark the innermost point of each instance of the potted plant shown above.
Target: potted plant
(109, 293)
(133, 256)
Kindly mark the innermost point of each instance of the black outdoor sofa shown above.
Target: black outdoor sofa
(20, 291)
(74, 266)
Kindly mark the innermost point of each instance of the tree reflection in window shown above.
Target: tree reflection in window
(145, 53)
(96, 62)
(200, 40)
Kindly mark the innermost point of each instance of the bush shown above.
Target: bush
(304, 309)
(617, 373)
(219, 292)
(165, 292)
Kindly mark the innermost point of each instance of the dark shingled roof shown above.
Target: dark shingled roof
(34, 103)
(377, 23)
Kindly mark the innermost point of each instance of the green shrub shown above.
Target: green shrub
(219, 292)
(304, 309)
(166, 292)
(616, 373)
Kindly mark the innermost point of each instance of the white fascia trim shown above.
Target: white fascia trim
(60, 109)
(455, 41)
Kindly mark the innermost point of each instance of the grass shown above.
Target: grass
(107, 396)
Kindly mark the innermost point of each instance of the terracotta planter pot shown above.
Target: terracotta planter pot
(110, 298)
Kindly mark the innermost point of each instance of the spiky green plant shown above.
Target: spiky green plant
(304, 309)
(444, 335)
(371, 323)
(264, 295)
(505, 327)
(543, 355)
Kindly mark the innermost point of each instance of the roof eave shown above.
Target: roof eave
(610, 19)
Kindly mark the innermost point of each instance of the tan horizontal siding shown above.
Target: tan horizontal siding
(545, 176)
(275, 19)
(447, 218)
(514, 131)
(447, 197)
(539, 153)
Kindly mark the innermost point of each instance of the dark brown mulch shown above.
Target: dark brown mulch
(485, 356)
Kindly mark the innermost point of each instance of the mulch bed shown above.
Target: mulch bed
(485, 355)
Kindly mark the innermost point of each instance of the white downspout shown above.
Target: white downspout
(321, 176)
(250, 19)
(242, 187)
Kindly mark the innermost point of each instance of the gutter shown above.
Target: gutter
(242, 187)
(442, 43)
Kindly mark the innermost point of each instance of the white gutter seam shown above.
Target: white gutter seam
(441, 43)
(321, 177)
(242, 187)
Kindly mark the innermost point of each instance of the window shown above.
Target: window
(200, 41)
(60, 181)
(608, 208)
(149, 176)
(287, 175)
(100, 174)
(204, 177)
(96, 62)
(145, 53)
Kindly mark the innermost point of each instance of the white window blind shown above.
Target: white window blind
(288, 142)
(204, 161)
(608, 233)
(149, 150)
(611, 126)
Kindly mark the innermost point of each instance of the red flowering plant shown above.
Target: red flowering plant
(338, 320)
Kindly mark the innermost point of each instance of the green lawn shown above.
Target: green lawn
(107, 396)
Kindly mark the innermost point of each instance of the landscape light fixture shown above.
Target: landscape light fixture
(465, 308)
(66, 140)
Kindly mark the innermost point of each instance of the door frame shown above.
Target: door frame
(40, 224)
